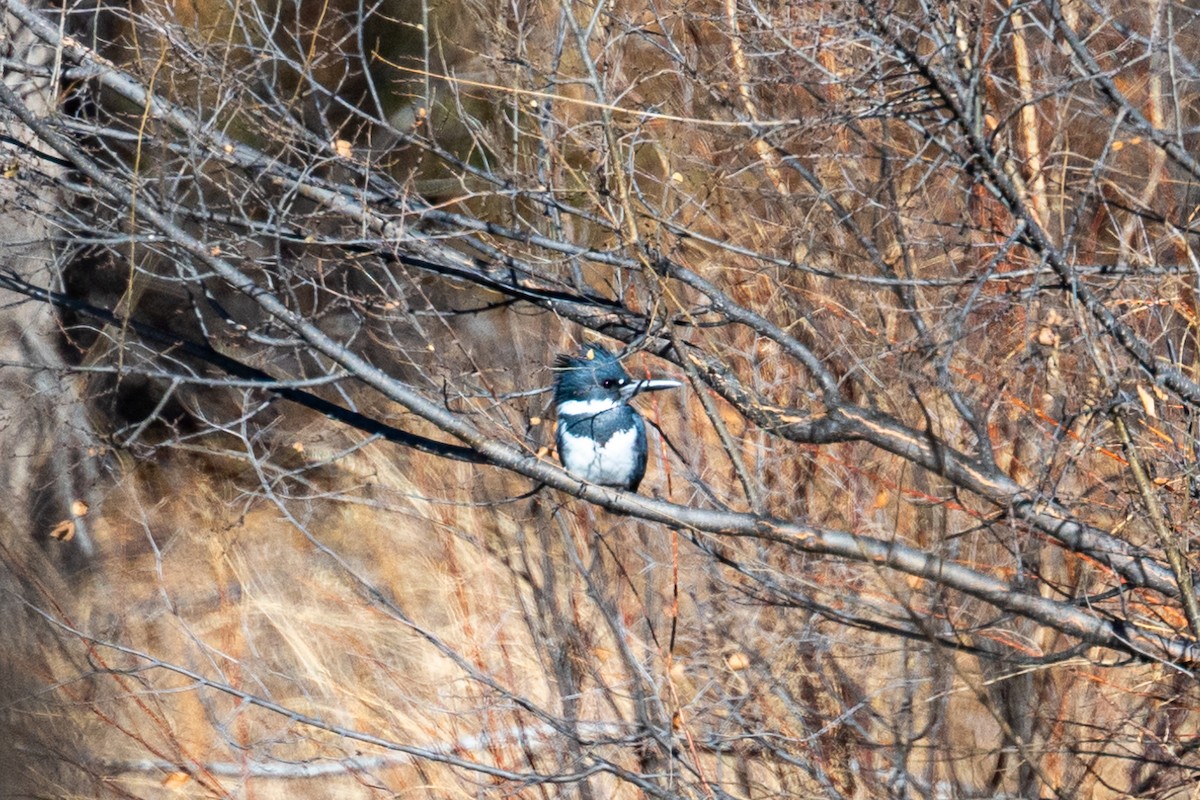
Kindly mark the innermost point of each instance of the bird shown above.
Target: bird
(601, 438)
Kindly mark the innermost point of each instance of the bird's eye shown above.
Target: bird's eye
(609, 383)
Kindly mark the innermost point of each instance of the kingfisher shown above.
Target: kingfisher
(601, 438)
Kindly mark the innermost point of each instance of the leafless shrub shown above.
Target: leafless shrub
(919, 528)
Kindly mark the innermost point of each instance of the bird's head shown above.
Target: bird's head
(594, 382)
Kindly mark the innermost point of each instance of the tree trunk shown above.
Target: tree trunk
(49, 471)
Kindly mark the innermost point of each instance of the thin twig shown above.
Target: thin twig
(1158, 522)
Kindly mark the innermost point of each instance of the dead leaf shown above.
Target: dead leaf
(63, 531)
(176, 780)
(1147, 399)
(1047, 337)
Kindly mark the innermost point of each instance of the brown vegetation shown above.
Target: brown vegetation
(919, 527)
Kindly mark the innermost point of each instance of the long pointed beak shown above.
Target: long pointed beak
(638, 387)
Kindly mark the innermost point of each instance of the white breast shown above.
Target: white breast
(607, 464)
